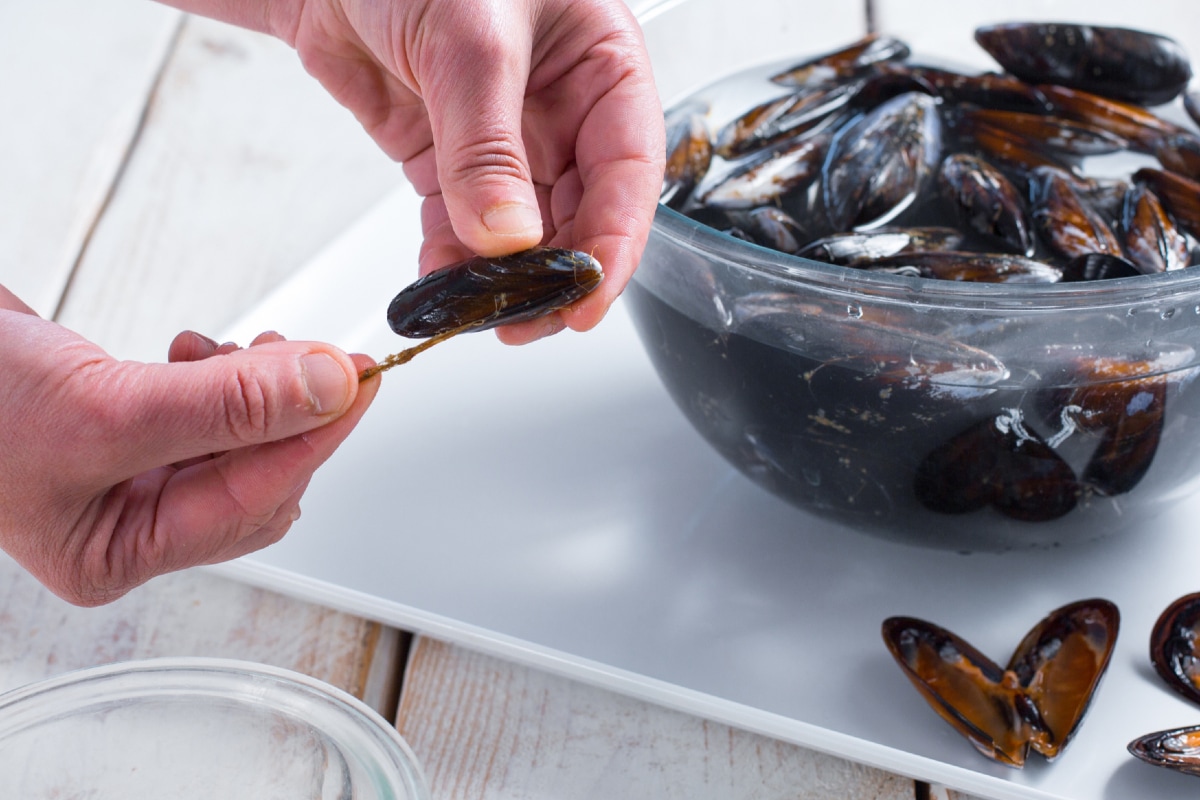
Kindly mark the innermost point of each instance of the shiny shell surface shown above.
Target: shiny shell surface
(1036, 702)
(483, 292)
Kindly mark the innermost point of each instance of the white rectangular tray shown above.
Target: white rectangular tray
(550, 505)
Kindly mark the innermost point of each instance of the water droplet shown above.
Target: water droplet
(1170, 312)
(854, 311)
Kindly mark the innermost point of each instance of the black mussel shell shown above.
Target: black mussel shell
(1037, 702)
(1065, 220)
(1191, 104)
(998, 463)
(1177, 749)
(1175, 646)
(1115, 62)
(1180, 154)
(485, 292)
(1143, 129)
(1152, 241)
(986, 201)
(771, 173)
(1098, 267)
(689, 154)
(878, 165)
(855, 248)
(845, 62)
(1179, 195)
(950, 265)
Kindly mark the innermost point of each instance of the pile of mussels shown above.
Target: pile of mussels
(867, 159)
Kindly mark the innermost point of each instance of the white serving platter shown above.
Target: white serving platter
(549, 504)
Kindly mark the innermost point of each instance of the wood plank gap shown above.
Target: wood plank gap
(384, 672)
(130, 147)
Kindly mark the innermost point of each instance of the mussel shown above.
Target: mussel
(878, 165)
(845, 62)
(689, 154)
(1152, 241)
(1036, 702)
(1175, 646)
(1177, 749)
(999, 463)
(481, 293)
(1115, 62)
(1175, 654)
(1066, 222)
(986, 201)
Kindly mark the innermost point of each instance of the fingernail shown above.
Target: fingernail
(326, 382)
(512, 219)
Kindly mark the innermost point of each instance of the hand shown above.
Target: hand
(115, 472)
(519, 121)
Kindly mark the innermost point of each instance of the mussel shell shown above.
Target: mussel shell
(953, 265)
(1177, 749)
(782, 118)
(689, 155)
(1191, 104)
(990, 90)
(1179, 195)
(844, 62)
(1175, 646)
(1114, 62)
(878, 165)
(853, 248)
(1143, 129)
(770, 174)
(485, 292)
(1045, 131)
(999, 463)
(1098, 267)
(1037, 702)
(1067, 223)
(1180, 154)
(986, 201)
(771, 227)
(1152, 241)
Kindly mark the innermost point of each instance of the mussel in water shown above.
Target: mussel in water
(1037, 702)
(950, 265)
(999, 463)
(1152, 241)
(877, 166)
(770, 174)
(481, 293)
(986, 201)
(689, 154)
(782, 118)
(860, 248)
(846, 62)
(1179, 195)
(1115, 62)
(1066, 222)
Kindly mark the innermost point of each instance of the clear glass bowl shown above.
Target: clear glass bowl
(953, 415)
(198, 728)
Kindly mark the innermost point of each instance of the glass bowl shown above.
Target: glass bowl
(199, 728)
(945, 414)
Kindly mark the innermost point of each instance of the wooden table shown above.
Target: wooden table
(161, 172)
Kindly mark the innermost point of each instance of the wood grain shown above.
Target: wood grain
(191, 613)
(486, 728)
(73, 80)
(244, 169)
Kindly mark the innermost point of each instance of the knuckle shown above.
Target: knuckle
(247, 407)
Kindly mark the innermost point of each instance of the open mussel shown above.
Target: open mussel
(1036, 702)
(1115, 62)
(481, 293)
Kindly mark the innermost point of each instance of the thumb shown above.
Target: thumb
(483, 169)
(172, 412)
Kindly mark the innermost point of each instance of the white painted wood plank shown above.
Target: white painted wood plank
(946, 28)
(485, 728)
(194, 613)
(244, 169)
(73, 78)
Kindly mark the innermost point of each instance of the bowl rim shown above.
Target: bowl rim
(736, 254)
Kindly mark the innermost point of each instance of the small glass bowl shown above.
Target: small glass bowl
(184, 728)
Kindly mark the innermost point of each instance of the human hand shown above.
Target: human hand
(519, 121)
(115, 472)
